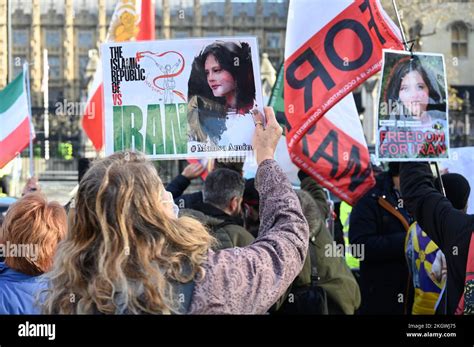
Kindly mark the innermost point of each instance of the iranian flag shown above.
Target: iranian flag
(131, 21)
(15, 126)
(331, 48)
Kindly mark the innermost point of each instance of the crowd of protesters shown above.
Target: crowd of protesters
(128, 244)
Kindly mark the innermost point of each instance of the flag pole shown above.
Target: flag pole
(45, 87)
(405, 43)
(443, 191)
(27, 76)
(9, 38)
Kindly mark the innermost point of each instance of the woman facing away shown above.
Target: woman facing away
(221, 92)
(413, 94)
(127, 253)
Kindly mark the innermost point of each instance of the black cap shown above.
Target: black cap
(457, 189)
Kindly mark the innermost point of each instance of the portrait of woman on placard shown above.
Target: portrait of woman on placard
(413, 94)
(221, 93)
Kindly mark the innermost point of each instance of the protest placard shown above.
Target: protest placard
(412, 119)
(282, 156)
(462, 162)
(175, 99)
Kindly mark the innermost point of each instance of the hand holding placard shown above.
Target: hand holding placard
(266, 137)
(193, 170)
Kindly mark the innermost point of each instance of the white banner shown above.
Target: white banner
(188, 98)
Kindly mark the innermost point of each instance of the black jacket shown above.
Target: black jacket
(177, 186)
(448, 227)
(383, 271)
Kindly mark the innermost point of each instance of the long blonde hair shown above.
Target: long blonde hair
(123, 252)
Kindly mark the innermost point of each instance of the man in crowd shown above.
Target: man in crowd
(181, 182)
(449, 227)
(221, 208)
(192, 171)
(379, 223)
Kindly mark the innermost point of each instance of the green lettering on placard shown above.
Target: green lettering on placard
(131, 132)
(176, 128)
(118, 131)
(154, 131)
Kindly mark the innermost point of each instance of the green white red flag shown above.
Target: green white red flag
(142, 14)
(15, 125)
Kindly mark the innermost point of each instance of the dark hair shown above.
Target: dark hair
(83, 165)
(400, 70)
(251, 207)
(251, 195)
(234, 166)
(227, 54)
(394, 169)
(221, 186)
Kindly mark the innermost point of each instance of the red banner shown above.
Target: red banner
(336, 60)
(343, 165)
(333, 62)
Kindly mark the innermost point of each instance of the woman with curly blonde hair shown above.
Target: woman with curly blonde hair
(127, 252)
(122, 246)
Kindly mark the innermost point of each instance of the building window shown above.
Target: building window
(83, 60)
(53, 39)
(212, 34)
(277, 7)
(273, 40)
(85, 39)
(54, 63)
(18, 62)
(214, 7)
(248, 8)
(459, 39)
(242, 33)
(177, 34)
(20, 38)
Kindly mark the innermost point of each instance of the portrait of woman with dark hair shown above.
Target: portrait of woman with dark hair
(221, 93)
(412, 120)
(413, 93)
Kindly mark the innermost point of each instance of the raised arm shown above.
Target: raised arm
(435, 213)
(179, 184)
